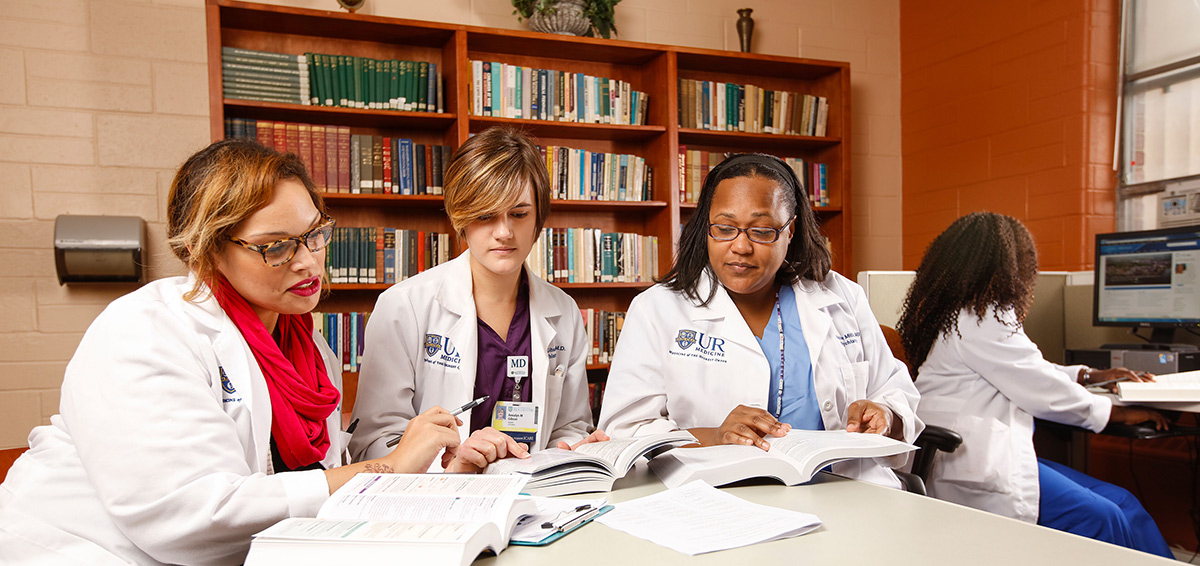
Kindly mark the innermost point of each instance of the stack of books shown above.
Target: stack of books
(510, 91)
(695, 164)
(264, 76)
(341, 162)
(375, 84)
(590, 255)
(577, 174)
(343, 331)
(709, 105)
(377, 255)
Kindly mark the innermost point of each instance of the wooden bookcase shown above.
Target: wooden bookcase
(654, 69)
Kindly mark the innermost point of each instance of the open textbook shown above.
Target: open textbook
(591, 467)
(793, 459)
(436, 519)
(1179, 387)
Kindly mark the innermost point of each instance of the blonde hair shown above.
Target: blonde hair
(488, 174)
(216, 189)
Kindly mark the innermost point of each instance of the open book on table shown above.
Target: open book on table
(1179, 387)
(591, 467)
(793, 459)
(410, 518)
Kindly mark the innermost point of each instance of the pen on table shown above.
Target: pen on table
(455, 412)
(1111, 381)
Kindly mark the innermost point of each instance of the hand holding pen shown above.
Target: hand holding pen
(454, 413)
(1109, 378)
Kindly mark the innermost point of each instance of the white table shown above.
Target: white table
(863, 524)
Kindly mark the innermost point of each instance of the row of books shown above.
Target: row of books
(383, 255)
(709, 105)
(577, 174)
(596, 398)
(341, 162)
(332, 80)
(603, 329)
(265, 76)
(343, 331)
(695, 164)
(590, 255)
(511, 91)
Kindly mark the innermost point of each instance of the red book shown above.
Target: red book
(318, 157)
(429, 170)
(280, 136)
(343, 158)
(420, 251)
(265, 132)
(387, 166)
(304, 134)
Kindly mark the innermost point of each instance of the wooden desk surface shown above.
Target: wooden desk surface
(862, 524)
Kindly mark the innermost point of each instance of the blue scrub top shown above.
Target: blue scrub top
(800, 407)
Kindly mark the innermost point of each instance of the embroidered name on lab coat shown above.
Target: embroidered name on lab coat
(439, 351)
(552, 351)
(695, 344)
(849, 338)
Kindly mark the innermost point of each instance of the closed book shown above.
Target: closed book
(366, 163)
(422, 87)
(416, 160)
(389, 255)
(377, 266)
(343, 159)
(376, 164)
(434, 161)
(256, 54)
(304, 135)
(407, 182)
(319, 158)
(265, 133)
(355, 157)
(387, 166)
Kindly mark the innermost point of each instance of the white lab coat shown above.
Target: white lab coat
(154, 458)
(679, 366)
(421, 344)
(987, 382)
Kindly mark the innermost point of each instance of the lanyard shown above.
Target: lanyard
(779, 389)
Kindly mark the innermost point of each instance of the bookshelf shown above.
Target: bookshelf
(653, 69)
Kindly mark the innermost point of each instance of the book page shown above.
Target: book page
(696, 518)
(425, 497)
(536, 462)
(814, 449)
(388, 531)
(1183, 386)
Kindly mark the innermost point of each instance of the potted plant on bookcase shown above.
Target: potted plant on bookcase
(569, 17)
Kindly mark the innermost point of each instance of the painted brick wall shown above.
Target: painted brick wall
(1010, 107)
(102, 99)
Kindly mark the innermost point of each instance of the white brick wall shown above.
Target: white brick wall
(100, 100)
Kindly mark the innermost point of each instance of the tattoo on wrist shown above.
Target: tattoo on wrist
(377, 468)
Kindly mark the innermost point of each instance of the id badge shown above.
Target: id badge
(518, 420)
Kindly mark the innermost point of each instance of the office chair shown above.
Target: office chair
(932, 440)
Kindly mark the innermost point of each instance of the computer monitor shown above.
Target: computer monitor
(1150, 279)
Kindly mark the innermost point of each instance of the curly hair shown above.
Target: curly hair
(983, 260)
(807, 256)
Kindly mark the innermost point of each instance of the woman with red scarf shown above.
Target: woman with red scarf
(200, 410)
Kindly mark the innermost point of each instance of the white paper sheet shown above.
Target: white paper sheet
(697, 518)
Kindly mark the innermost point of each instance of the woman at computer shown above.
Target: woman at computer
(200, 410)
(980, 375)
(751, 333)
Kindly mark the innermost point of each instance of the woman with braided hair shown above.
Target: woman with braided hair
(980, 375)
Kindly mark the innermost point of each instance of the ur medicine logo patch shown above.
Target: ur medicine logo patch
(226, 386)
(433, 343)
(685, 338)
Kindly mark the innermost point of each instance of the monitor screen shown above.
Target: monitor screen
(1148, 278)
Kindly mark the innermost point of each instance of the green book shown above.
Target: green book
(403, 86)
(605, 102)
(356, 74)
(423, 87)
(394, 85)
(382, 70)
(254, 54)
(330, 89)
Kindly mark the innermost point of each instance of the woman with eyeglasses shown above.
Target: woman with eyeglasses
(200, 410)
(751, 334)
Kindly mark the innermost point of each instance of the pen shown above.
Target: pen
(455, 412)
(1110, 382)
(353, 425)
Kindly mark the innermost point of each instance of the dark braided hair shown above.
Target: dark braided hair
(982, 260)
(807, 256)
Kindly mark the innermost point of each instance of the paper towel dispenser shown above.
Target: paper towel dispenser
(99, 249)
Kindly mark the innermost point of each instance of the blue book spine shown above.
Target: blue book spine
(431, 105)
(580, 97)
(517, 92)
(497, 105)
(406, 167)
(571, 255)
(389, 255)
(624, 193)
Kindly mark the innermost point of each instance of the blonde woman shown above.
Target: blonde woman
(199, 410)
(480, 325)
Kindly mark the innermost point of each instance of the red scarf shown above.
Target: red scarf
(302, 396)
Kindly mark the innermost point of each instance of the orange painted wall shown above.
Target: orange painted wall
(1009, 107)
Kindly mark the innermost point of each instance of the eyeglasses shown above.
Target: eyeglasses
(757, 234)
(282, 251)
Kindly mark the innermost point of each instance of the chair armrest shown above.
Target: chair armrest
(932, 440)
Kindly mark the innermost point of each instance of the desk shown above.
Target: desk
(898, 536)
